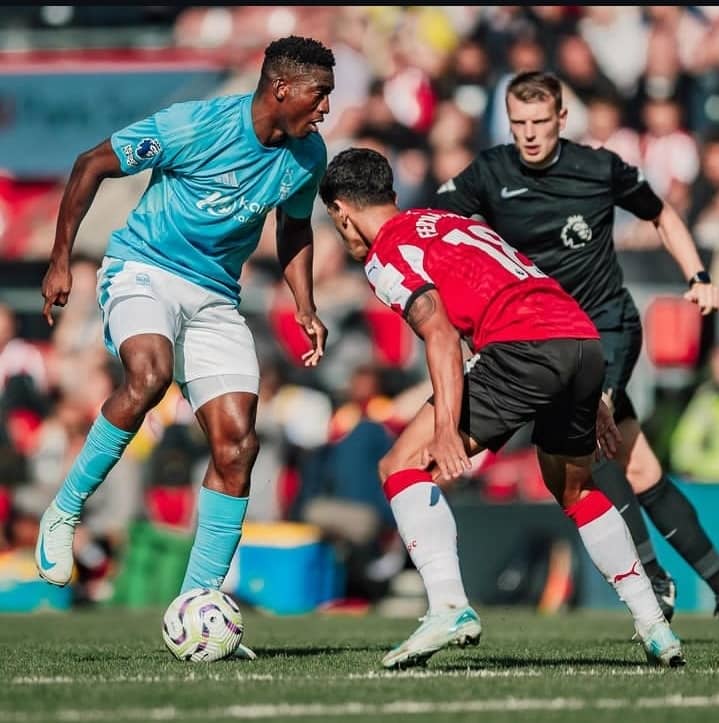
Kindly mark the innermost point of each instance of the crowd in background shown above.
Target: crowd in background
(425, 86)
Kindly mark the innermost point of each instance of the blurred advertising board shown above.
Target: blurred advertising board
(55, 104)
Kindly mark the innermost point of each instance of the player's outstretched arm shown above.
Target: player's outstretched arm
(88, 172)
(428, 319)
(678, 241)
(294, 251)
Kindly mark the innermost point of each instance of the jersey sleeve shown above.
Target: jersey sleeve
(462, 194)
(301, 202)
(632, 192)
(398, 277)
(158, 141)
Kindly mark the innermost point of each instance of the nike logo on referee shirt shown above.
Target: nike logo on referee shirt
(506, 193)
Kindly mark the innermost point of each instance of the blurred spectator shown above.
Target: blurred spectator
(173, 410)
(353, 74)
(381, 123)
(706, 69)
(452, 127)
(78, 336)
(79, 324)
(340, 490)
(363, 399)
(267, 497)
(18, 356)
(340, 293)
(411, 168)
(688, 26)
(670, 162)
(467, 83)
(694, 446)
(498, 29)
(670, 157)
(552, 23)
(238, 30)
(604, 128)
(13, 474)
(22, 408)
(703, 216)
(617, 36)
(447, 163)
(663, 78)
(577, 68)
(170, 493)
(410, 97)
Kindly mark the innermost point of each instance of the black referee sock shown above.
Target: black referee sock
(676, 518)
(609, 478)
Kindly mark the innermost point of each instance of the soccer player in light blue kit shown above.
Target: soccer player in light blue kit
(168, 286)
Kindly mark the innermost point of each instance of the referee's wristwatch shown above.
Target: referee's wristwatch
(701, 277)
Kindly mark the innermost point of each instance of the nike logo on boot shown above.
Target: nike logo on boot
(46, 564)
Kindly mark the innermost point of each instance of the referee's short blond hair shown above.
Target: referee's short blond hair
(534, 85)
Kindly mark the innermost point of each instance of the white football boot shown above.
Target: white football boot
(451, 627)
(53, 550)
(662, 646)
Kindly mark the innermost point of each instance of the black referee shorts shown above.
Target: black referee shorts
(556, 383)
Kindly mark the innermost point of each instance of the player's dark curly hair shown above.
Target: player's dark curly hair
(533, 85)
(358, 175)
(294, 54)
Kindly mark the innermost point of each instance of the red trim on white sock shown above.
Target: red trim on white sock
(399, 481)
(589, 508)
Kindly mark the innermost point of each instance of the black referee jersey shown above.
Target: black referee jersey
(560, 216)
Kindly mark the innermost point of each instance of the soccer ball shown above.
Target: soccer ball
(202, 625)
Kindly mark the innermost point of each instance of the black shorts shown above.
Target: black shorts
(556, 383)
(621, 344)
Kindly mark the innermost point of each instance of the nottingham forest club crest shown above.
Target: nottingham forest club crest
(576, 232)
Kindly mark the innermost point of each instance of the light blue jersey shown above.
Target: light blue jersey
(212, 185)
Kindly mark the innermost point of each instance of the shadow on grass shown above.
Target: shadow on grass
(104, 656)
(492, 662)
(317, 650)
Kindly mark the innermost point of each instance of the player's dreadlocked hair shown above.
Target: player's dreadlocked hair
(358, 175)
(294, 55)
(533, 85)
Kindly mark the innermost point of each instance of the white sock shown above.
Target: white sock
(427, 527)
(609, 543)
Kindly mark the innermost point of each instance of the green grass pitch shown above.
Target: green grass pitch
(110, 665)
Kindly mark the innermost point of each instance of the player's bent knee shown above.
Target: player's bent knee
(237, 451)
(389, 464)
(147, 386)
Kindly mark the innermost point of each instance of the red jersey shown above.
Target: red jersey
(491, 292)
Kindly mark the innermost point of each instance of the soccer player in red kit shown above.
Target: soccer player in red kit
(537, 357)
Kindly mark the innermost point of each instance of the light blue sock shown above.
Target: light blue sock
(219, 527)
(104, 445)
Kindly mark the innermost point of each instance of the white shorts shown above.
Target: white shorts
(213, 346)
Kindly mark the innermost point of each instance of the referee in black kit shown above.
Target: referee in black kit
(555, 199)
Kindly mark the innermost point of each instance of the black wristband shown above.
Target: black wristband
(701, 277)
